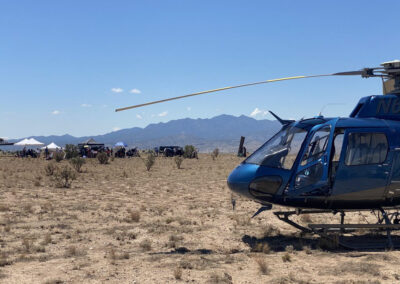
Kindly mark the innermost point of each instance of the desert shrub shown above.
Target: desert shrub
(73, 251)
(27, 244)
(270, 231)
(37, 180)
(145, 245)
(58, 156)
(64, 177)
(178, 161)
(133, 216)
(178, 273)
(286, 257)
(49, 169)
(149, 161)
(77, 163)
(329, 243)
(71, 151)
(103, 158)
(262, 265)
(190, 152)
(217, 278)
(261, 247)
(215, 153)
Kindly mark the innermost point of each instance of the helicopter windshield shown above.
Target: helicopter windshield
(281, 150)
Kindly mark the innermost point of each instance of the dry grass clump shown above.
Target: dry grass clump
(262, 265)
(216, 278)
(50, 168)
(28, 208)
(47, 239)
(27, 245)
(357, 268)
(261, 247)
(289, 249)
(286, 257)
(63, 177)
(178, 273)
(178, 161)
(114, 255)
(58, 156)
(331, 243)
(73, 251)
(215, 154)
(4, 207)
(306, 218)
(291, 278)
(133, 216)
(270, 231)
(77, 163)
(4, 260)
(54, 281)
(145, 245)
(149, 161)
(242, 220)
(37, 181)
(102, 158)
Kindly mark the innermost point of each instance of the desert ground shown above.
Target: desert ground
(119, 223)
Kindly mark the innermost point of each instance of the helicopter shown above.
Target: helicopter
(329, 164)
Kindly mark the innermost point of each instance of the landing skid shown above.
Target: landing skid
(336, 232)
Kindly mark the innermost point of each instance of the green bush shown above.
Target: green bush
(190, 152)
(59, 156)
(64, 177)
(103, 158)
(77, 163)
(71, 151)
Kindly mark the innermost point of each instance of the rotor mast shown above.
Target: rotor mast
(391, 85)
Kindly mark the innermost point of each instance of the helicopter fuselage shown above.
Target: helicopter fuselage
(329, 163)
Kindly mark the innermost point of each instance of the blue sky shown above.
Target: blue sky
(66, 65)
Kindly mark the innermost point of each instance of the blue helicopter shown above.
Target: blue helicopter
(329, 165)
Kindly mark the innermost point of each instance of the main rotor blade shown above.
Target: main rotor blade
(221, 89)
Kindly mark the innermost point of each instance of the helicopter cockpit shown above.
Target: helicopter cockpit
(298, 158)
(280, 151)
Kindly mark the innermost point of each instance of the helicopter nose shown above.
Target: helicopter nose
(240, 178)
(255, 182)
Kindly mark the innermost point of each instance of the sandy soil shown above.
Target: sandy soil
(119, 223)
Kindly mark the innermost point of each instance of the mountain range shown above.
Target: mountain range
(221, 132)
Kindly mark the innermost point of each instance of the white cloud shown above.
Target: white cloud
(189, 108)
(116, 128)
(258, 112)
(135, 91)
(164, 113)
(117, 90)
(55, 112)
(86, 105)
(139, 116)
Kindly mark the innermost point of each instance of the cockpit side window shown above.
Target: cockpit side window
(366, 148)
(317, 146)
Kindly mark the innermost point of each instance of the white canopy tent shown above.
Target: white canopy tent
(52, 146)
(29, 142)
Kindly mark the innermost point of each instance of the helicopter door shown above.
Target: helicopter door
(393, 188)
(363, 172)
(312, 177)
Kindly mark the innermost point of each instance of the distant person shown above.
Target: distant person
(46, 152)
